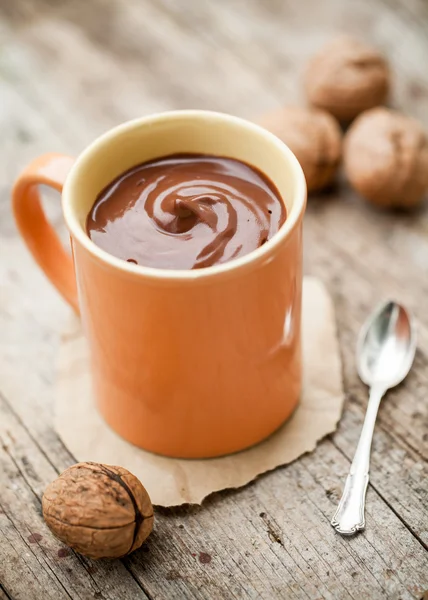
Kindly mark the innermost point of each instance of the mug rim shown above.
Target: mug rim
(294, 216)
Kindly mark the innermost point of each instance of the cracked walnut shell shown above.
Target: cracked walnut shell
(386, 158)
(347, 77)
(314, 136)
(98, 510)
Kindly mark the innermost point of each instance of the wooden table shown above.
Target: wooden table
(71, 70)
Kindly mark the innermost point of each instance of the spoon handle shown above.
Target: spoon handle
(349, 516)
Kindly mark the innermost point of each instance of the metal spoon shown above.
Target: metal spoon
(385, 352)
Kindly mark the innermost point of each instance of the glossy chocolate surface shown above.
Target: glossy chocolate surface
(186, 212)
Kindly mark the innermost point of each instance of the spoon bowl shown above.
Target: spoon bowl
(386, 346)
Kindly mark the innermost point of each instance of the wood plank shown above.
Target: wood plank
(108, 92)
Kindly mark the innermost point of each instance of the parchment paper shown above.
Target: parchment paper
(173, 482)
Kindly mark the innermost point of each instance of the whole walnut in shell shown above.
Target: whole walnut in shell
(98, 510)
(314, 136)
(386, 158)
(347, 77)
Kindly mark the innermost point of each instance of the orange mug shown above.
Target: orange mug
(185, 363)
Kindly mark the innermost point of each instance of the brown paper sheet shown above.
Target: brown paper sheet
(173, 482)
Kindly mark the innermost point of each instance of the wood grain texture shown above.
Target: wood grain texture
(70, 70)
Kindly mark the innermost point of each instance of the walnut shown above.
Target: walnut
(347, 77)
(386, 158)
(314, 136)
(98, 510)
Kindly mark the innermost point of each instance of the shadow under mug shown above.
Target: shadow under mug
(194, 363)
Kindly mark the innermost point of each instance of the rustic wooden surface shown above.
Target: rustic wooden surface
(70, 70)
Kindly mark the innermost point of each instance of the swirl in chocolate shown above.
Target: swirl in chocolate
(186, 212)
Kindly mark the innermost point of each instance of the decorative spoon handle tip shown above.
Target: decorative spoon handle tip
(349, 516)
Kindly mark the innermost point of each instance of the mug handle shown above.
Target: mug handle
(38, 233)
